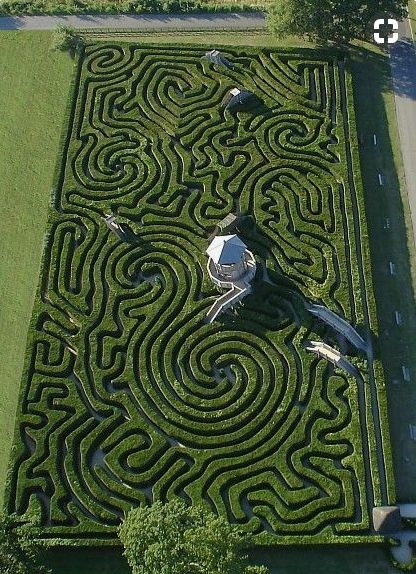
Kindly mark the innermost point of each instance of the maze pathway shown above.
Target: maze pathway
(128, 395)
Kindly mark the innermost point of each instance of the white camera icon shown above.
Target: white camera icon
(392, 38)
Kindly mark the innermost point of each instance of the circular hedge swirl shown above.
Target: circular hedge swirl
(128, 394)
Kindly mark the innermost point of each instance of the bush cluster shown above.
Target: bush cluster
(23, 7)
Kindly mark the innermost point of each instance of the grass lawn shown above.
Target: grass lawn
(30, 131)
(230, 38)
(33, 98)
(397, 344)
(412, 16)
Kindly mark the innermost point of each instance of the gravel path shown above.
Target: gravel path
(236, 21)
(403, 68)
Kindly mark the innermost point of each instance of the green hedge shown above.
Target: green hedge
(127, 394)
(32, 7)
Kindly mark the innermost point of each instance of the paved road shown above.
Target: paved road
(403, 67)
(237, 21)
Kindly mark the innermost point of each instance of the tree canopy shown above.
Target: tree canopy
(325, 20)
(19, 551)
(66, 38)
(174, 538)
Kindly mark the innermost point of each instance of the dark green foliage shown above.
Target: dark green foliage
(66, 38)
(20, 7)
(19, 552)
(174, 538)
(128, 395)
(325, 20)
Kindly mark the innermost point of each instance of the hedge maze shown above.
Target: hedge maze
(128, 395)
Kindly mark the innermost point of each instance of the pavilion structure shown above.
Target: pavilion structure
(231, 266)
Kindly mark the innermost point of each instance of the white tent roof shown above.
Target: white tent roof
(226, 249)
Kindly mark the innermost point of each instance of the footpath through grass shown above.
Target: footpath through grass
(33, 97)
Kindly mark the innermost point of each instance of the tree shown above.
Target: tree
(19, 551)
(325, 20)
(66, 38)
(174, 538)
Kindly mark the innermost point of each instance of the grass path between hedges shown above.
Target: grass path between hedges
(33, 99)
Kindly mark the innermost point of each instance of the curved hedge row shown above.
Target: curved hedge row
(128, 395)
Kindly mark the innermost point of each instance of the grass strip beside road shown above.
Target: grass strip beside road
(391, 240)
(215, 38)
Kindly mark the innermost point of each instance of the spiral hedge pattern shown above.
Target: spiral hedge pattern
(128, 395)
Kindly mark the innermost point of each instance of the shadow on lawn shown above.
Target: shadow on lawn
(391, 240)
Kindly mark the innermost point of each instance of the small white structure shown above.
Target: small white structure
(230, 266)
(230, 261)
(216, 57)
(113, 226)
(332, 355)
(406, 373)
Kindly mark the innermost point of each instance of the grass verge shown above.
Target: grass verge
(35, 82)
(35, 110)
(215, 37)
(391, 240)
(412, 17)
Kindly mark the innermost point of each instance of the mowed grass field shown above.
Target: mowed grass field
(33, 113)
(33, 98)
